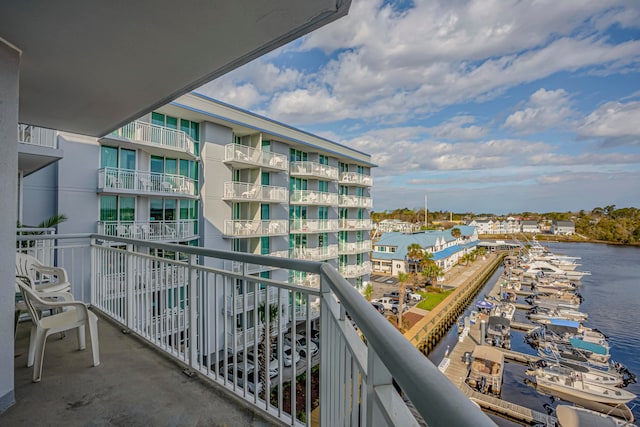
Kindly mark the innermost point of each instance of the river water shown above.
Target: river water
(612, 300)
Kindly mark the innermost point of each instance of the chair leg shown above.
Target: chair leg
(41, 340)
(32, 346)
(93, 336)
(82, 343)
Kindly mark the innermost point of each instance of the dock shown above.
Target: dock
(456, 370)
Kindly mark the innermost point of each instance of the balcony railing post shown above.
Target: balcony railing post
(129, 282)
(191, 336)
(326, 384)
(378, 376)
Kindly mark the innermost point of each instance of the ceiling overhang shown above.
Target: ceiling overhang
(91, 67)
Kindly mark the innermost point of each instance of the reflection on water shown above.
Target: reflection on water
(612, 299)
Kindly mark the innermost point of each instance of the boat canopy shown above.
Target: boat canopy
(564, 322)
(484, 304)
(589, 346)
(489, 353)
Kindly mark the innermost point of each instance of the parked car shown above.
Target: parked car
(238, 373)
(301, 344)
(378, 307)
(415, 296)
(390, 304)
(396, 294)
(273, 364)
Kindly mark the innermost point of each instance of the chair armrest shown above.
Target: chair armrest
(65, 296)
(59, 272)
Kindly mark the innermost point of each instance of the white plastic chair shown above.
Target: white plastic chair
(42, 276)
(76, 317)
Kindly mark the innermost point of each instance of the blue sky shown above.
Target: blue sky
(485, 106)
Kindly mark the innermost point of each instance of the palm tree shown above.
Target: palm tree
(368, 292)
(402, 284)
(455, 232)
(267, 338)
(432, 271)
(414, 256)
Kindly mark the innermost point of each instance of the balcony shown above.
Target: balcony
(113, 180)
(154, 136)
(33, 135)
(313, 169)
(304, 226)
(346, 201)
(315, 254)
(356, 179)
(239, 303)
(37, 148)
(355, 224)
(353, 271)
(347, 248)
(115, 277)
(243, 157)
(240, 267)
(246, 192)
(183, 229)
(309, 197)
(308, 281)
(256, 228)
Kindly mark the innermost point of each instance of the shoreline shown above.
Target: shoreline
(552, 238)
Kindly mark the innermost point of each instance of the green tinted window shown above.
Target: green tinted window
(108, 208)
(108, 157)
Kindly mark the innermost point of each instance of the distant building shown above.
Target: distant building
(390, 252)
(391, 225)
(530, 226)
(565, 228)
(483, 225)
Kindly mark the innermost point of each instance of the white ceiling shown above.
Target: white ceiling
(89, 67)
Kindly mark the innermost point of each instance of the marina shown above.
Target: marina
(579, 386)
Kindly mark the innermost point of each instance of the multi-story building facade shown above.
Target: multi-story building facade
(203, 173)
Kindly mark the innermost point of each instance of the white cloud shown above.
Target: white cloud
(615, 122)
(458, 128)
(545, 109)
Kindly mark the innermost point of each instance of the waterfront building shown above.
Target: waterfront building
(391, 225)
(483, 225)
(389, 254)
(530, 226)
(203, 173)
(565, 228)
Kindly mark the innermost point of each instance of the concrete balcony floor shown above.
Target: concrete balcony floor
(133, 386)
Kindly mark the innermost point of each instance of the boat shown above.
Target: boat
(545, 269)
(581, 373)
(573, 389)
(499, 331)
(504, 309)
(572, 416)
(484, 306)
(546, 315)
(486, 369)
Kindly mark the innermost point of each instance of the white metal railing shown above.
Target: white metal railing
(244, 191)
(180, 306)
(150, 230)
(354, 247)
(315, 169)
(315, 254)
(33, 135)
(253, 156)
(355, 224)
(351, 271)
(309, 197)
(313, 225)
(255, 228)
(147, 133)
(308, 280)
(241, 267)
(356, 178)
(145, 182)
(349, 201)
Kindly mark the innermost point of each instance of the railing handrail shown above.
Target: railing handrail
(145, 173)
(35, 135)
(183, 140)
(436, 398)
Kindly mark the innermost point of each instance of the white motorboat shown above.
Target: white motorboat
(579, 373)
(486, 369)
(572, 416)
(504, 309)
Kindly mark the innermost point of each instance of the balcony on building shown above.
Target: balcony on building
(356, 179)
(313, 169)
(348, 248)
(37, 148)
(249, 268)
(310, 197)
(355, 224)
(349, 201)
(256, 228)
(304, 226)
(353, 271)
(176, 230)
(308, 280)
(250, 192)
(244, 157)
(153, 138)
(115, 180)
(315, 254)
